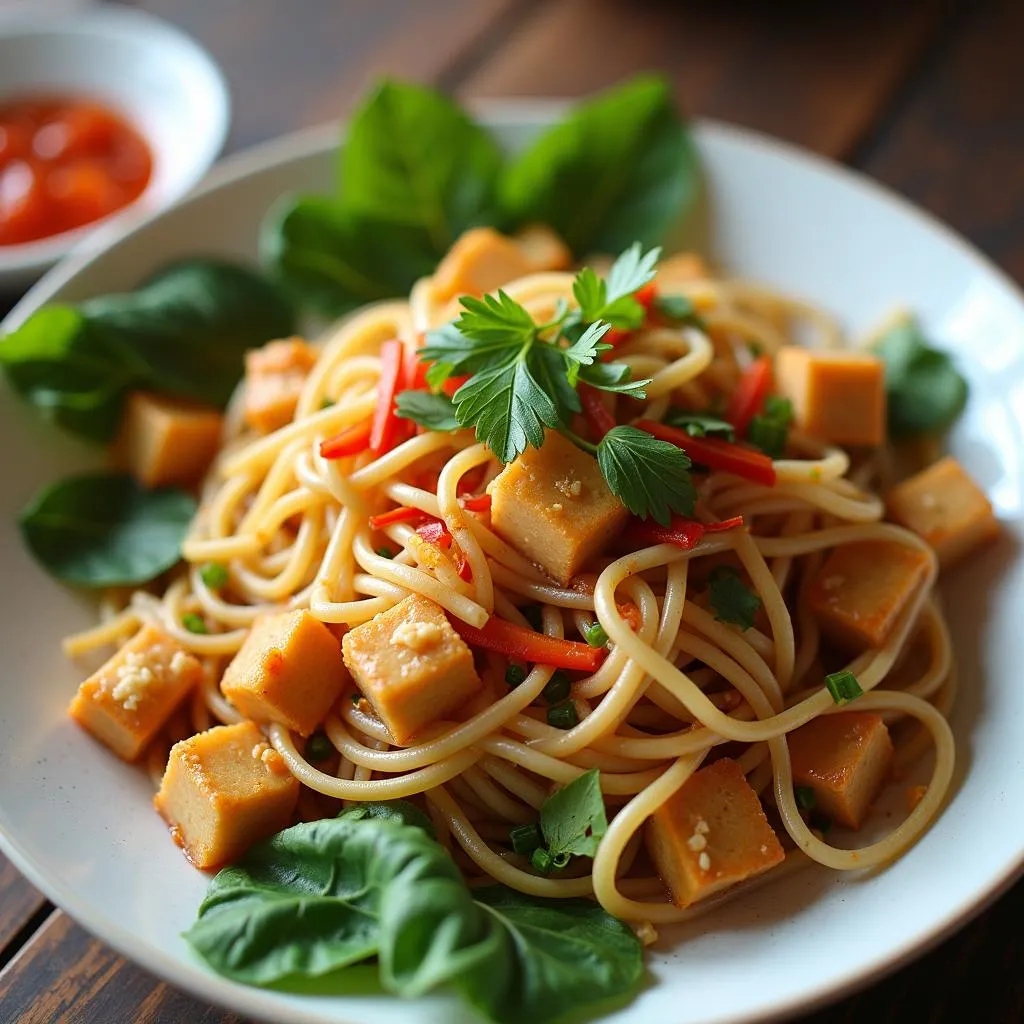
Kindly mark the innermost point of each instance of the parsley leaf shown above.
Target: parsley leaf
(495, 320)
(573, 819)
(925, 392)
(698, 424)
(650, 477)
(732, 600)
(584, 351)
(616, 377)
(612, 299)
(435, 412)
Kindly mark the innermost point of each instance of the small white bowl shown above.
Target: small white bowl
(161, 80)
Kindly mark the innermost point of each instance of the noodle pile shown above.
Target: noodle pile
(293, 530)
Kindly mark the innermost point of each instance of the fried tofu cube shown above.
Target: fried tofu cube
(860, 590)
(274, 377)
(845, 759)
(543, 249)
(712, 833)
(481, 260)
(127, 701)
(679, 269)
(837, 396)
(166, 441)
(945, 507)
(553, 505)
(411, 665)
(222, 791)
(288, 670)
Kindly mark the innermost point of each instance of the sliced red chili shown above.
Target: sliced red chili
(351, 441)
(715, 453)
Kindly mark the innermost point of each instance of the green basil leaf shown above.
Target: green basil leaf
(333, 260)
(573, 819)
(618, 169)
(413, 157)
(104, 530)
(435, 412)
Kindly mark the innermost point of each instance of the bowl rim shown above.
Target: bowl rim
(310, 141)
(141, 27)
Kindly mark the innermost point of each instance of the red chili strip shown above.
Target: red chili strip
(750, 393)
(682, 532)
(527, 645)
(402, 514)
(715, 453)
(350, 441)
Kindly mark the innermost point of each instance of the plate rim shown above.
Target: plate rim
(189, 974)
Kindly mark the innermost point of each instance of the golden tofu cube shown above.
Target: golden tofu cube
(288, 670)
(859, 592)
(710, 834)
(127, 701)
(274, 378)
(543, 249)
(945, 507)
(837, 396)
(411, 665)
(166, 441)
(845, 758)
(222, 791)
(680, 269)
(481, 260)
(553, 505)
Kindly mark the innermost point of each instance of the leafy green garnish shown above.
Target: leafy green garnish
(650, 477)
(620, 167)
(680, 309)
(769, 429)
(104, 530)
(435, 412)
(843, 686)
(700, 424)
(731, 599)
(184, 332)
(373, 882)
(612, 300)
(573, 819)
(925, 392)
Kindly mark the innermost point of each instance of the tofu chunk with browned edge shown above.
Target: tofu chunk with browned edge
(945, 507)
(411, 665)
(481, 260)
(710, 834)
(167, 441)
(126, 702)
(845, 759)
(838, 396)
(288, 670)
(274, 378)
(859, 592)
(222, 791)
(553, 505)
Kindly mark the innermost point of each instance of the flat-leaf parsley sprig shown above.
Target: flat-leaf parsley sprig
(523, 378)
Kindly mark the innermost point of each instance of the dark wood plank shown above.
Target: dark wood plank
(294, 65)
(19, 906)
(956, 142)
(814, 73)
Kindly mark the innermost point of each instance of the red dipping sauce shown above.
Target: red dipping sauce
(65, 162)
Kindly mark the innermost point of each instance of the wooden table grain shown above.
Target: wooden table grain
(925, 95)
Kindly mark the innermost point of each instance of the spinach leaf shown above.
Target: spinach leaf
(104, 530)
(184, 332)
(414, 158)
(618, 169)
(573, 818)
(925, 393)
(334, 260)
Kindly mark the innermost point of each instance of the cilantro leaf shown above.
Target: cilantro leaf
(584, 351)
(612, 299)
(496, 320)
(615, 377)
(435, 412)
(925, 392)
(573, 819)
(731, 599)
(631, 271)
(698, 424)
(650, 477)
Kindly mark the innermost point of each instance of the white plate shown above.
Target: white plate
(78, 822)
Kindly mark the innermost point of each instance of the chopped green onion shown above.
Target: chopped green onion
(515, 674)
(526, 838)
(805, 798)
(557, 689)
(541, 860)
(318, 747)
(385, 552)
(194, 623)
(595, 635)
(214, 575)
(532, 614)
(843, 686)
(563, 716)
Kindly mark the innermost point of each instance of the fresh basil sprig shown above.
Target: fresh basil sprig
(374, 883)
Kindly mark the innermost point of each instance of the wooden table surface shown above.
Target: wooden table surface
(926, 96)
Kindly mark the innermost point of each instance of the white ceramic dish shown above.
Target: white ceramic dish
(79, 823)
(161, 79)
